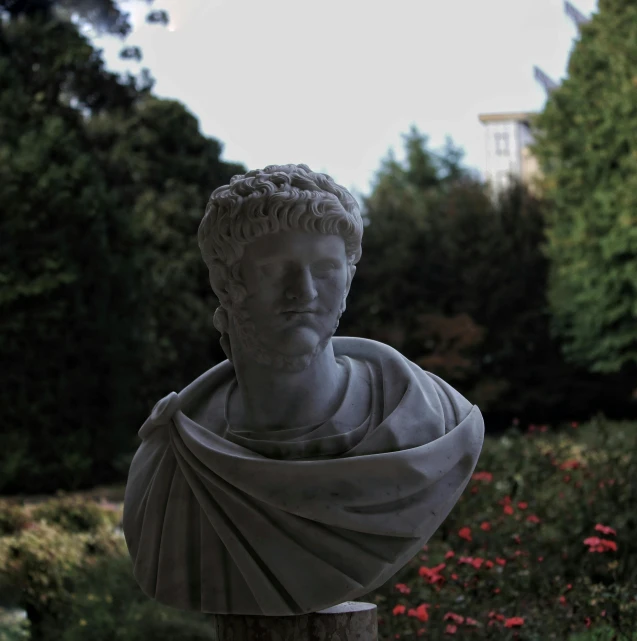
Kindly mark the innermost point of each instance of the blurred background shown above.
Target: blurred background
(499, 249)
(491, 145)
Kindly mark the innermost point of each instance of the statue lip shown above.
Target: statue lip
(298, 311)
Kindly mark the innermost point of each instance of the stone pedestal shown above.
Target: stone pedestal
(350, 621)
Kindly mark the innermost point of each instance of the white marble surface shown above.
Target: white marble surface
(227, 522)
(305, 470)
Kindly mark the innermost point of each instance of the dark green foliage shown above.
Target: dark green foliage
(165, 170)
(72, 574)
(535, 500)
(103, 16)
(457, 283)
(102, 287)
(74, 514)
(13, 517)
(587, 147)
(70, 295)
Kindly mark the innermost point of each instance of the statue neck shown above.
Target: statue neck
(268, 399)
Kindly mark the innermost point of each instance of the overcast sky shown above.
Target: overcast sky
(335, 83)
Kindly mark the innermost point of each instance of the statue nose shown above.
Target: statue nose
(300, 286)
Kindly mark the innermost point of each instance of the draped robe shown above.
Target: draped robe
(291, 521)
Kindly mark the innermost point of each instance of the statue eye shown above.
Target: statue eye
(324, 266)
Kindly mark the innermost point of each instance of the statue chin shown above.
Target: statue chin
(248, 338)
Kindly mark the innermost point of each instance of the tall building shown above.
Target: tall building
(508, 136)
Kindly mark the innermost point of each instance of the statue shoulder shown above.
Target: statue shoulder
(203, 400)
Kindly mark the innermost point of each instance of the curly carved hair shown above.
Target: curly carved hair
(263, 201)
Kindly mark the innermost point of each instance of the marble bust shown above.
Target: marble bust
(306, 469)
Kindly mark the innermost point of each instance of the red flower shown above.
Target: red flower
(485, 525)
(420, 612)
(432, 574)
(500, 561)
(574, 424)
(516, 538)
(470, 621)
(489, 564)
(571, 464)
(398, 609)
(600, 545)
(522, 505)
(401, 587)
(587, 622)
(562, 599)
(465, 559)
(465, 533)
(451, 629)
(508, 509)
(456, 618)
(514, 622)
(605, 529)
(540, 559)
(482, 476)
(477, 563)
(450, 554)
(532, 518)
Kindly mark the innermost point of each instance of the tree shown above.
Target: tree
(587, 148)
(403, 291)
(458, 284)
(165, 170)
(101, 189)
(102, 16)
(70, 296)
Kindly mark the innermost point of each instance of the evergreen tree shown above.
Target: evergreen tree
(104, 299)
(587, 147)
(165, 169)
(458, 284)
(70, 295)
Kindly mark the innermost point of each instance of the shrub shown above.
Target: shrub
(108, 604)
(13, 517)
(13, 627)
(75, 514)
(37, 566)
(540, 545)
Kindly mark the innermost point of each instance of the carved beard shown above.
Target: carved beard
(247, 334)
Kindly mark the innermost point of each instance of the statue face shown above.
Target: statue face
(296, 283)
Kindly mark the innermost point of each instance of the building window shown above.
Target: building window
(502, 144)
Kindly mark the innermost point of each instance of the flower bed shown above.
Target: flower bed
(541, 545)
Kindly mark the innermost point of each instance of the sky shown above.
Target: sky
(336, 83)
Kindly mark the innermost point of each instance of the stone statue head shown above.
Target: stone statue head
(281, 245)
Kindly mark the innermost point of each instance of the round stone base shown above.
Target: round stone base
(350, 621)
